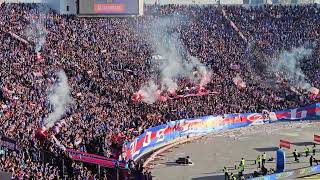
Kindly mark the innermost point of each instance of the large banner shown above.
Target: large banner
(94, 159)
(310, 112)
(162, 135)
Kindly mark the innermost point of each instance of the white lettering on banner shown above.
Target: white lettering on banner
(237, 118)
(160, 134)
(147, 139)
(133, 147)
(293, 114)
(255, 117)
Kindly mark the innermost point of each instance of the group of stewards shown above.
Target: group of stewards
(307, 151)
(261, 160)
(232, 176)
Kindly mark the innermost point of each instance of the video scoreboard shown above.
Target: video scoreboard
(110, 7)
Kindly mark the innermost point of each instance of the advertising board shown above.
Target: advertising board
(108, 7)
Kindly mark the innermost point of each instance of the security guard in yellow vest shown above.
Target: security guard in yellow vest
(233, 177)
(306, 150)
(226, 173)
(240, 171)
(242, 162)
(271, 171)
(264, 157)
(259, 161)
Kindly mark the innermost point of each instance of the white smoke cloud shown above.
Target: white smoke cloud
(173, 61)
(149, 92)
(59, 98)
(289, 65)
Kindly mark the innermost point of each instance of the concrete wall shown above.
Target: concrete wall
(68, 6)
(54, 5)
(63, 6)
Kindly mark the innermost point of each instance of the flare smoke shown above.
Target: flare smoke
(175, 62)
(288, 65)
(59, 98)
(149, 92)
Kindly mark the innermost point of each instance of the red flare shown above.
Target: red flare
(39, 57)
(44, 132)
(137, 97)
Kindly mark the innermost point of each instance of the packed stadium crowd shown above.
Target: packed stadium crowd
(106, 61)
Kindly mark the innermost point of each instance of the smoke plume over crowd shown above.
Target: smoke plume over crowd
(289, 66)
(174, 62)
(59, 98)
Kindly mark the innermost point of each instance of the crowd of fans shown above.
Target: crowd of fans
(106, 61)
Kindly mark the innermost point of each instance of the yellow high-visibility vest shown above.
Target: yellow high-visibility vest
(264, 156)
(243, 162)
(306, 149)
(258, 159)
(225, 169)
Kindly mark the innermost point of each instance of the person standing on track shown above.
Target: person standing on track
(306, 150)
(264, 157)
(226, 173)
(314, 149)
(242, 162)
(240, 171)
(232, 177)
(259, 161)
(311, 160)
(295, 155)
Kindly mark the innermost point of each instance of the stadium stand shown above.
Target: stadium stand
(105, 61)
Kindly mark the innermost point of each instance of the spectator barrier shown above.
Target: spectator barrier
(94, 159)
(316, 138)
(284, 144)
(291, 174)
(158, 136)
